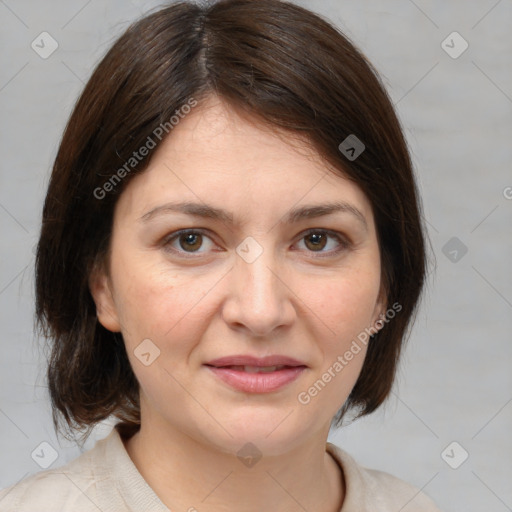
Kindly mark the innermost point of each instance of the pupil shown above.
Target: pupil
(191, 240)
(316, 240)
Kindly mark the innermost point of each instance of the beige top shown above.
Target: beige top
(104, 479)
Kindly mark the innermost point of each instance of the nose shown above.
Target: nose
(259, 300)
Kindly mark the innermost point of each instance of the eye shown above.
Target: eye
(195, 241)
(189, 241)
(316, 240)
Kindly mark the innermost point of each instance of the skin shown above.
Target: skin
(297, 299)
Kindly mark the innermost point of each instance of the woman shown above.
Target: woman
(230, 259)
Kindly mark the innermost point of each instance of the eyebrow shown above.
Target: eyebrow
(294, 215)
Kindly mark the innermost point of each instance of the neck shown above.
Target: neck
(188, 474)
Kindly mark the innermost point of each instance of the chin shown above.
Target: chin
(272, 432)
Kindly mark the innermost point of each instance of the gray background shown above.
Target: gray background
(455, 381)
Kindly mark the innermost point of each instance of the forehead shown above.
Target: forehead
(222, 134)
(217, 154)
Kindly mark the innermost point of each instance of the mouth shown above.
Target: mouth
(254, 369)
(257, 377)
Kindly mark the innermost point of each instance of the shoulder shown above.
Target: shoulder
(74, 486)
(377, 491)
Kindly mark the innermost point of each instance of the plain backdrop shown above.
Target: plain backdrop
(453, 396)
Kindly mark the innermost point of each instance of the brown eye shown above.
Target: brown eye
(316, 241)
(323, 243)
(191, 242)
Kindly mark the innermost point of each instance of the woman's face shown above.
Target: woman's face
(265, 268)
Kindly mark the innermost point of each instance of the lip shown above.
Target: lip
(256, 382)
(246, 360)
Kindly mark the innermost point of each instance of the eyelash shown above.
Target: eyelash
(342, 241)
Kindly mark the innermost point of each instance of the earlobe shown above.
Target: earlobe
(101, 291)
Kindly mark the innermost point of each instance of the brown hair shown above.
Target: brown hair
(283, 65)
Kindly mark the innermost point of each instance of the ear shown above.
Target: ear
(101, 291)
(380, 308)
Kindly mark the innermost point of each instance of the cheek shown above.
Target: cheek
(345, 303)
(160, 304)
